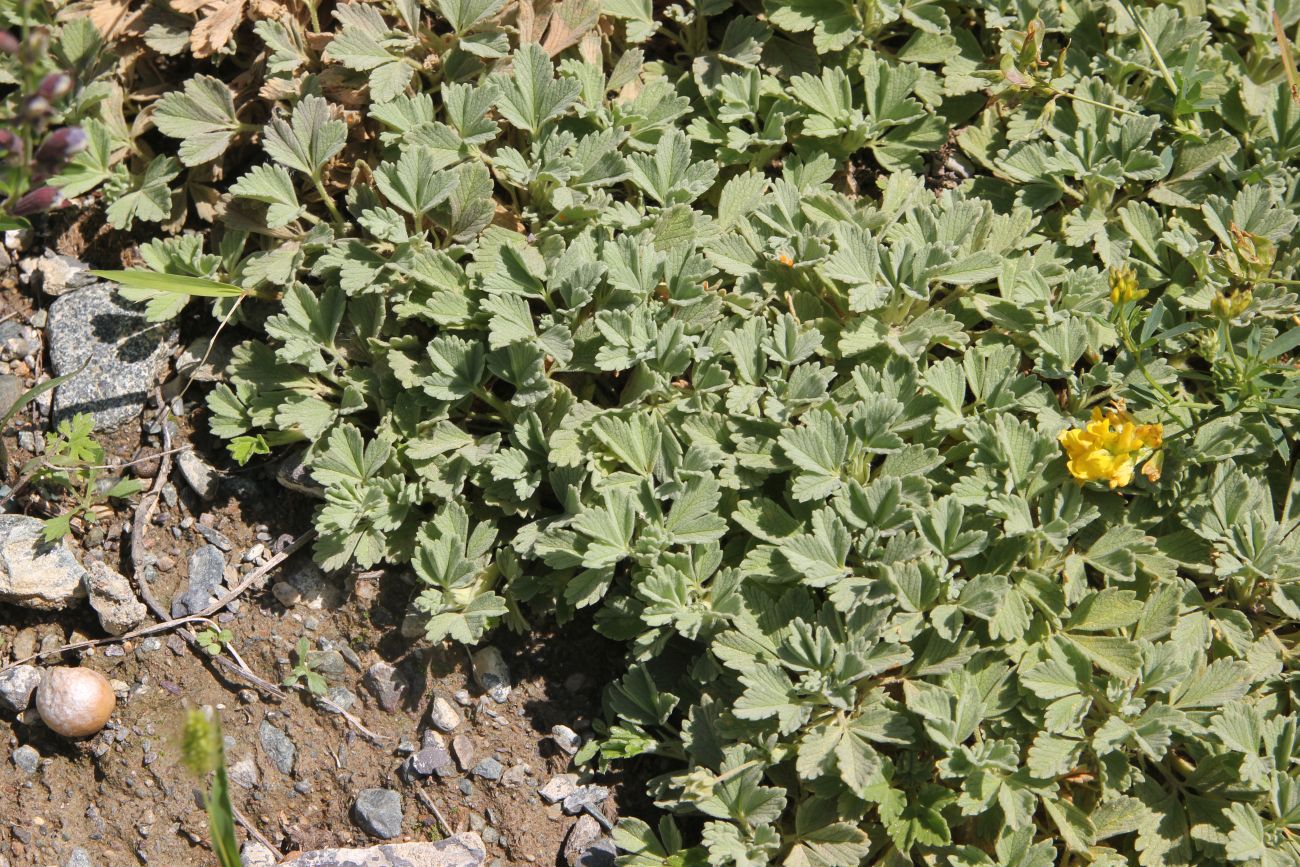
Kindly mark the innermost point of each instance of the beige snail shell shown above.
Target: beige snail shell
(75, 702)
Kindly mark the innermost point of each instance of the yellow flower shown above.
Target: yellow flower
(1109, 447)
(1124, 286)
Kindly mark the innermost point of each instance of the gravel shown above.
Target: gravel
(254, 854)
(35, 574)
(16, 686)
(492, 674)
(584, 833)
(489, 769)
(566, 739)
(207, 567)
(113, 599)
(429, 759)
(79, 858)
(278, 747)
(558, 787)
(463, 749)
(443, 715)
(243, 773)
(378, 812)
(27, 759)
(459, 850)
(387, 684)
(201, 476)
(122, 353)
(57, 275)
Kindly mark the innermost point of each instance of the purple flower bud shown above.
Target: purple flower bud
(9, 143)
(55, 86)
(35, 108)
(38, 200)
(35, 46)
(8, 42)
(62, 145)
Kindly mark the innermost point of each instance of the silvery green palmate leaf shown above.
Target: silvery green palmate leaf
(909, 389)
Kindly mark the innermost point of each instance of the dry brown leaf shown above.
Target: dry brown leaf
(590, 49)
(214, 31)
(188, 7)
(113, 18)
(570, 21)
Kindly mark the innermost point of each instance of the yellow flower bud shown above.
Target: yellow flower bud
(1124, 287)
(1233, 304)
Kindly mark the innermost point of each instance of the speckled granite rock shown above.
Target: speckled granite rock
(35, 574)
(124, 355)
(460, 850)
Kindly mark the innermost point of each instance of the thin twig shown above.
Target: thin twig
(140, 523)
(96, 642)
(252, 830)
(437, 814)
(351, 720)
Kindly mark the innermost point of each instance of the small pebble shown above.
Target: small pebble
(443, 714)
(27, 759)
(488, 769)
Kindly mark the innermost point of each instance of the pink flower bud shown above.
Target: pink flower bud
(62, 145)
(9, 143)
(55, 86)
(8, 42)
(35, 108)
(38, 200)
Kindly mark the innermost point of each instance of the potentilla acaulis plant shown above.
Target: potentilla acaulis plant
(911, 387)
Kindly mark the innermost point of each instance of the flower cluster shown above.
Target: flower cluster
(1109, 446)
(1124, 287)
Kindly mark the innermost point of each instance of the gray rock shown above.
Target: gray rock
(113, 599)
(429, 760)
(388, 685)
(35, 574)
(11, 388)
(207, 569)
(243, 773)
(602, 853)
(79, 858)
(214, 537)
(58, 275)
(489, 769)
(566, 739)
(123, 354)
(558, 787)
(27, 759)
(584, 833)
(295, 475)
(585, 797)
(329, 663)
(16, 686)
(414, 625)
(286, 594)
(443, 715)
(315, 590)
(341, 698)
(192, 364)
(463, 748)
(254, 854)
(24, 643)
(515, 775)
(378, 812)
(199, 474)
(278, 747)
(460, 850)
(492, 674)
